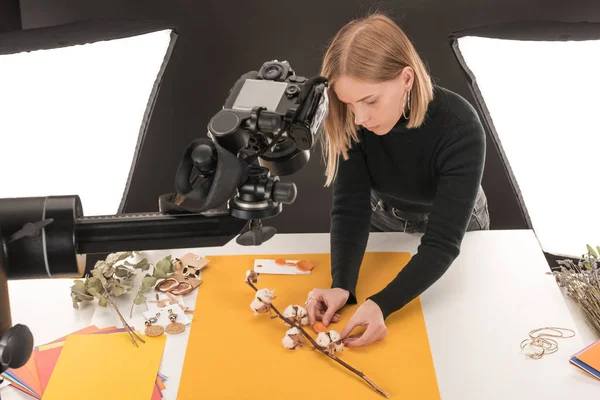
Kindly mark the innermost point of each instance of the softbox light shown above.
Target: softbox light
(535, 84)
(75, 102)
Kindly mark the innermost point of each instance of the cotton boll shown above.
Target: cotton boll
(334, 335)
(330, 341)
(336, 340)
(293, 339)
(259, 307)
(296, 314)
(288, 342)
(294, 332)
(265, 295)
(251, 276)
(323, 339)
(290, 314)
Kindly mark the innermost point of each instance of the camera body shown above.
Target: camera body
(273, 115)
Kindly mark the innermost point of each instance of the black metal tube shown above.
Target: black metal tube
(49, 254)
(155, 231)
(59, 249)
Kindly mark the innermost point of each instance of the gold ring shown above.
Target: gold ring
(309, 299)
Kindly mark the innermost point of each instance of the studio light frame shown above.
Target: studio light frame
(546, 31)
(93, 31)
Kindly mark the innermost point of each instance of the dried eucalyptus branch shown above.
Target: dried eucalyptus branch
(252, 278)
(114, 277)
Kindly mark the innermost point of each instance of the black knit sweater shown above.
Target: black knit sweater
(436, 168)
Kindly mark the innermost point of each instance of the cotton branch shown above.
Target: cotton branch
(252, 277)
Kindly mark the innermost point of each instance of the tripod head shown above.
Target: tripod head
(267, 127)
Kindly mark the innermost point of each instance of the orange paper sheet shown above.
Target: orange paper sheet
(232, 354)
(114, 367)
(28, 373)
(591, 356)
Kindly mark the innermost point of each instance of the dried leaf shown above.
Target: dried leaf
(102, 302)
(117, 289)
(142, 264)
(96, 273)
(79, 287)
(592, 251)
(116, 257)
(109, 272)
(165, 265)
(140, 299)
(102, 266)
(94, 283)
(122, 272)
(159, 274)
(148, 282)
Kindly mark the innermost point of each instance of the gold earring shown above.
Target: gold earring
(153, 330)
(407, 96)
(174, 327)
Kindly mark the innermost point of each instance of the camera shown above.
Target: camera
(272, 115)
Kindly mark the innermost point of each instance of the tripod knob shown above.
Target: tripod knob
(205, 158)
(16, 346)
(284, 192)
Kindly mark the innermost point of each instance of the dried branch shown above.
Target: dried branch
(320, 348)
(581, 282)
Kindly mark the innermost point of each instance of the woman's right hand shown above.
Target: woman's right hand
(323, 304)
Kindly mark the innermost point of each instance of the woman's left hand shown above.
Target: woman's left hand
(368, 314)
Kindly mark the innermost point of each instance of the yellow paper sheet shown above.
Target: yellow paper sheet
(232, 354)
(109, 366)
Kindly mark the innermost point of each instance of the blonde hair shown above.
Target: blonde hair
(372, 48)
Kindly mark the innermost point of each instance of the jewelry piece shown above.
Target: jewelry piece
(191, 271)
(167, 284)
(153, 330)
(541, 341)
(174, 327)
(309, 299)
(406, 105)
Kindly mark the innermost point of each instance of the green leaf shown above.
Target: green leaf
(591, 251)
(94, 283)
(102, 301)
(598, 248)
(127, 285)
(109, 272)
(96, 273)
(75, 301)
(118, 290)
(102, 266)
(159, 274)
(116, 257)
(122, 272)
(148, 282)
(140, 299)
(142, 264)
(587, 265)
(79, 287)
(165, 265)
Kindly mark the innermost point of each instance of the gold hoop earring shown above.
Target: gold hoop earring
(407, 103)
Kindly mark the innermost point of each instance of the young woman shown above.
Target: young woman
(403, 155)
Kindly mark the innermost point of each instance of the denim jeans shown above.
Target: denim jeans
(388, 219)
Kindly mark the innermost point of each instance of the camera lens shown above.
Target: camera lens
(272, 72)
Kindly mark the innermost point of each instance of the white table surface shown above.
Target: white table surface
(476, 315)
